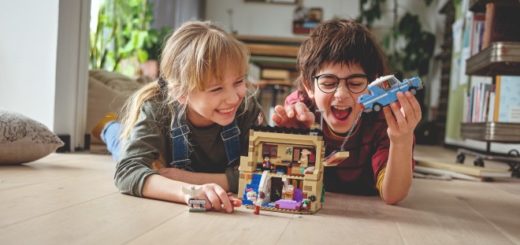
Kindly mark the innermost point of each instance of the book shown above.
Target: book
(501, 22)
(497, 99)
(508, 91)
(481, 172)
(443, 173)
(477, 101)
(488, 25)
(477, 30)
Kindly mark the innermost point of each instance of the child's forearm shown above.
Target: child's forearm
(195, 178)
(162, 188)
(159, 187)
(398, 174)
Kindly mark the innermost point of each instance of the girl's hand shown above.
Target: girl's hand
(402, 118)
(216, 198)
(293, 116)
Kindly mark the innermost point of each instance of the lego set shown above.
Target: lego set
(283, 171)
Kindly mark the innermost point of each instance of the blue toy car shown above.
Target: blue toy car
(383, 91)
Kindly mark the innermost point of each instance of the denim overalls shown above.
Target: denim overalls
(181, 152)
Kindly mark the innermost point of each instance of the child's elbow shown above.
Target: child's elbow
(394, 198)
(392, 201)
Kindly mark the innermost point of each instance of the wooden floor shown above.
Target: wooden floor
(71, 199)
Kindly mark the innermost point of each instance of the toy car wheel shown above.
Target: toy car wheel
(460, 158)
(413, 91)
(479, 162)
(377, 107)
(513, 153)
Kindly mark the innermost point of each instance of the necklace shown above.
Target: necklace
(349, 133)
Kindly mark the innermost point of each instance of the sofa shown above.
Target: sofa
(107, 92)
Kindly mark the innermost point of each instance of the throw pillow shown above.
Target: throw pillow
(23, 139)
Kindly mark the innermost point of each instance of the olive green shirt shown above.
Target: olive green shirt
(150, 139)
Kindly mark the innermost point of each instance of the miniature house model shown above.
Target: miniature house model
(283, 170)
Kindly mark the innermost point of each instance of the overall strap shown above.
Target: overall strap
(231, 137)
(180, 149)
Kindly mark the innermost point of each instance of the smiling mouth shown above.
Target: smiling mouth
(341, 113)
(225, 111)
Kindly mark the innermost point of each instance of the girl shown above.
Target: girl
(186, 130)
(336, 64)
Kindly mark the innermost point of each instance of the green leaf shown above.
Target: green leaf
(142, 55)
(122, 32)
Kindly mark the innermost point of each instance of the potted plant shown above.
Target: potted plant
(408, 47)
(122, 33)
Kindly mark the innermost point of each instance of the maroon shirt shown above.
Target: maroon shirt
(368, 153)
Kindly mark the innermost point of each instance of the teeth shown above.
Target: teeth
(226, 110)
(340, 107)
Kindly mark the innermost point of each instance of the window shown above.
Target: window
(270, 150)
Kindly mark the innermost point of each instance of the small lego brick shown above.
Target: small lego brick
(195, 204)
(288, 204)
(335, 158)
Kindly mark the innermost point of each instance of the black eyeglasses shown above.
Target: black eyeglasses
(328, 83)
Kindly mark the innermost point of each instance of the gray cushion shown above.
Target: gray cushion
(23, 139)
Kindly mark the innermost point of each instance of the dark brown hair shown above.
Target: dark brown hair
(339, 41)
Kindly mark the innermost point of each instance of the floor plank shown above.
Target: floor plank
(438, 213)
(112, 219)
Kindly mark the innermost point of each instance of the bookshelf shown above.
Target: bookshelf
(500, 55)
(501, 58)
(275, 59)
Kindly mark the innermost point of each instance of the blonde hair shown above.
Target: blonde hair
(193, 55)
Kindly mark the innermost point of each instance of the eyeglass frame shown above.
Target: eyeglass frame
(356, 75)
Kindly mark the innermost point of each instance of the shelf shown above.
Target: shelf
(273, 50)
(274, 62)
(492, 131)
(291, 41)
(501, 58)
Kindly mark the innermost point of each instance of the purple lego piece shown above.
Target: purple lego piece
(298, 195)
(287, 204)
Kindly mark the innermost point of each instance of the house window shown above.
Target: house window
(270, 150)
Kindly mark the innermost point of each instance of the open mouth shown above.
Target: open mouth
(225, 111)
(341, 113)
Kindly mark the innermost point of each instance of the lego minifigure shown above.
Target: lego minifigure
(266, 164)
(304, 159)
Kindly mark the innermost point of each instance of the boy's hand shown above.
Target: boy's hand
(216, 198)
(402, 118)
(293, 116)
